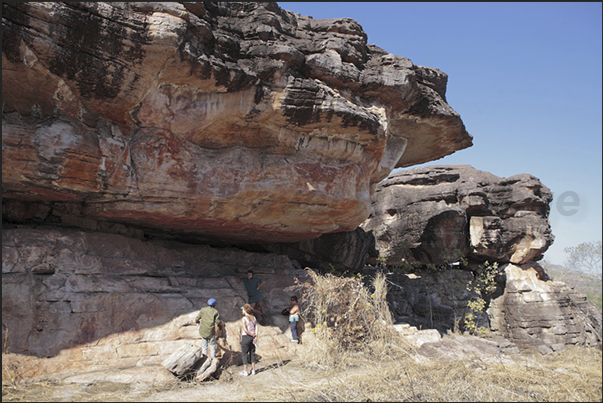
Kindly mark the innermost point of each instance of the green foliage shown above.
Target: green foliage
(483, 279)
(475, 308)
(483, 284)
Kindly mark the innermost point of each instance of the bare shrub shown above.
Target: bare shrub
(349, 322)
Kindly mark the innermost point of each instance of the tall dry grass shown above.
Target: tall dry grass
(349, 323)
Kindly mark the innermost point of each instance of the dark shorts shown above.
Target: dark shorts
(255, 298)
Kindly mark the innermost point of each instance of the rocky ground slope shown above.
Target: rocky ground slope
(470, 361)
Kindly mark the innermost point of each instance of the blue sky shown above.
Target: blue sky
(526, 81)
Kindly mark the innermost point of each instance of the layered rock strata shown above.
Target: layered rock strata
(85, 301)
(235, 121)
(422, 215)
(418, 213)
(547, 315)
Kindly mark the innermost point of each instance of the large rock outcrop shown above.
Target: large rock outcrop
(74, 300)
(234, 121)
(418, 213)
(129, 126)
(422, 215)
(547, 315)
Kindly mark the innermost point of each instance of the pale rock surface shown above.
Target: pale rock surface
(545, 314)
(182, 360)
(418, 337)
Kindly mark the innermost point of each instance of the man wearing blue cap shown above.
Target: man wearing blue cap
(208, 318)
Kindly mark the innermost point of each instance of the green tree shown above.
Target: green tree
(585, 257)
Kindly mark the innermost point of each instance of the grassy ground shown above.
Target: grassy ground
(570, 375)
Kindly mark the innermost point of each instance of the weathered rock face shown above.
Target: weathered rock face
(237, 121)
(529, 312)
(342, 251)
(422, 211)
(419, 213)
(543, 314)
(97, 301)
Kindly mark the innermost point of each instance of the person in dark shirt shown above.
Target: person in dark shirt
(253, 285)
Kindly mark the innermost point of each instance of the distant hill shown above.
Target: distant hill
(580, 281)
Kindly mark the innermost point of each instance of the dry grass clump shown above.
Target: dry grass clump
(349, 322)
(14, 371)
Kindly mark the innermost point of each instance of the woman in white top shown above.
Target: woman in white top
(249, 338)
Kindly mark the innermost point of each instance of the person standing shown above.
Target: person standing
(249, 338)
(207, 319)
(253, 285)
(294, 319)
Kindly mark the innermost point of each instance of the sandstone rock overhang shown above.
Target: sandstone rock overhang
(237, 121)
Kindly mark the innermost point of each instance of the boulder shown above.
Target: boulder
(547, 315)
(418, 213)
(183, 360)
(241, 122)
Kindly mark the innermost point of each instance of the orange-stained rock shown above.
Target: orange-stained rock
(237, 121)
